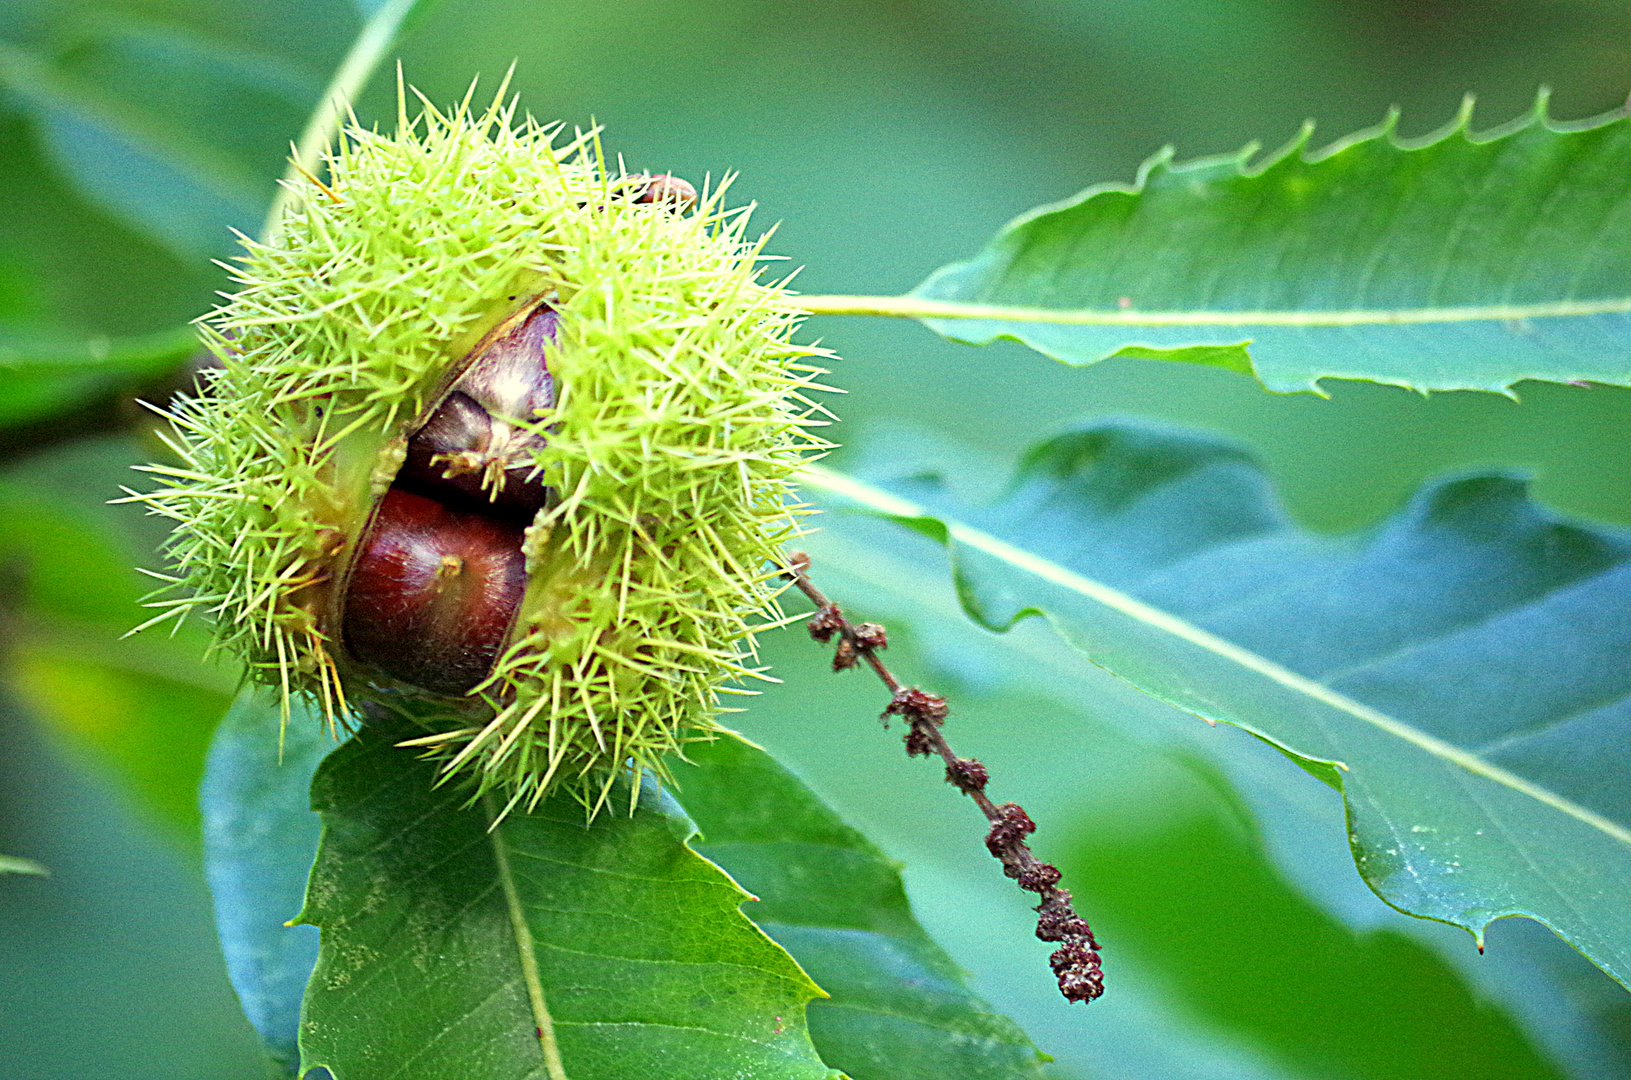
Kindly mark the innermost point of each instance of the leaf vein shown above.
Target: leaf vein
(883, 502)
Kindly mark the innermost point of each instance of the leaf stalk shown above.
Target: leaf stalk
(916, 307)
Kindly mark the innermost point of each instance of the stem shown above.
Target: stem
(1076, 961)
(376, 39)
(913, 307)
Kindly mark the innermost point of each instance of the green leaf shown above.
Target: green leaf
(900, 1008)
(243, 102)
(69, 272)
(28, 397)
(260, 838)
(1460, 262)
(147, 704)
(1464, 677)
(178, 135)
(176, 188)
(189, 149)
(49, 373)
(31, 350)
(455, 944)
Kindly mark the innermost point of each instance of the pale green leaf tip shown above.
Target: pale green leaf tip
(11, 864)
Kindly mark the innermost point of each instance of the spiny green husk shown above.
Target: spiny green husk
(680, 417)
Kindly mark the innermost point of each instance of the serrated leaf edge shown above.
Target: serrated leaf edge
(913, 307)
(919, 305)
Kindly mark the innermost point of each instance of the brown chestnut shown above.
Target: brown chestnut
(673, 191)
(470, 443)
(433, 592)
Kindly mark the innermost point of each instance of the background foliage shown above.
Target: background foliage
(889, 138)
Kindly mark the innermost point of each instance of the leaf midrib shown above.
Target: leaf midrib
(886, 503)
(912, 307)
(524, 945)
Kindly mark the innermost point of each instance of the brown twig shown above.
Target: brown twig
(1076, 961)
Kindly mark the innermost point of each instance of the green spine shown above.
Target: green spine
(681, 417)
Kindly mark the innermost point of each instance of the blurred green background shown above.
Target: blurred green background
(886, 138)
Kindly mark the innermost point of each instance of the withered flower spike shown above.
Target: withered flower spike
(826, 622)
(917, 706)
(967, 775)
(869, 635)
(1076, 962)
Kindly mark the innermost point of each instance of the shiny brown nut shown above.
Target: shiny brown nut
(471, 443)
(433, 592)
(674, 191)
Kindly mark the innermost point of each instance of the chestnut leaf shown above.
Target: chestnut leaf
(178, 189)
(260, 838)
(179, 134)
(900, 1008)
(1461, 261)
(1462, 677)
(459, 943)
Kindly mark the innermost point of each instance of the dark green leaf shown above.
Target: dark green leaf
(900, 1009)
(246, 104)
(48, 374)
(260, 838)
(180, 135)
(1464, 677)
(28, 397)
(536, 946)
(69, 272)
(1463, 262)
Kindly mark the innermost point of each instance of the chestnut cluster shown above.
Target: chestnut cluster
(439, 573)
